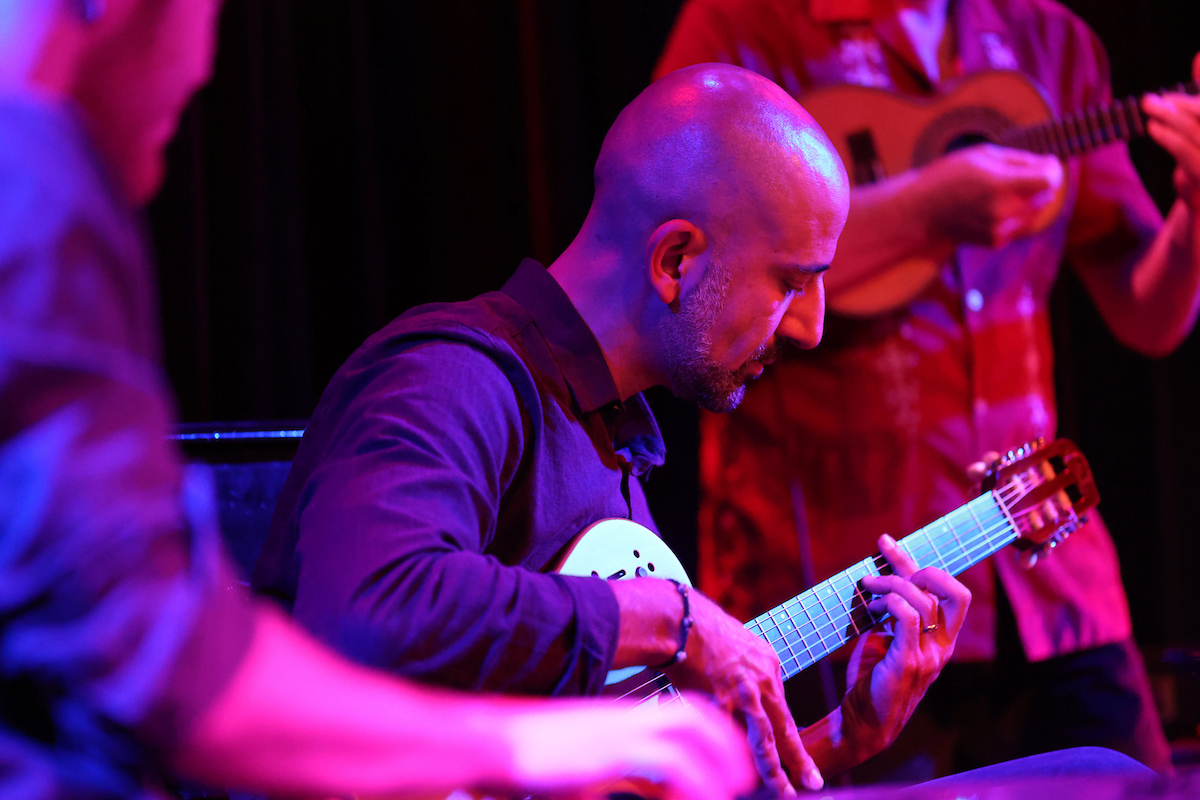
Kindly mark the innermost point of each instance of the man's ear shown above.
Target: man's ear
(669, 252)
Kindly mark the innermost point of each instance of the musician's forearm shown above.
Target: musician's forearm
(1151, 300)
(886, 226)
(1167, 283)
(296, 720)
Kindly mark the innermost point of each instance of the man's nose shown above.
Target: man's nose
(804, 322)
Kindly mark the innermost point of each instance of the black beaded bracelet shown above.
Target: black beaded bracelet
(685, 625)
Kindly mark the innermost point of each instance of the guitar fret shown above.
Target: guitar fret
(1110, 127)
(816, 622)
(1078, 137)
(1097, 129)
(1042, 137)
(957, 541)
(1060, 138)
(1121, 121)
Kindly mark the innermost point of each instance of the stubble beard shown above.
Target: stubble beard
(687, 338)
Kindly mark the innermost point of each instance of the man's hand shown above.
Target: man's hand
(892, 666)
(741, 672)
(1175, 125)
(677, 750)
(987, 195)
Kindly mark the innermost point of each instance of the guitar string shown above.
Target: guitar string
(983, 537)
(927, 538)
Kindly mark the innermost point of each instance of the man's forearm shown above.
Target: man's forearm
(1150, 303)
(297, 720)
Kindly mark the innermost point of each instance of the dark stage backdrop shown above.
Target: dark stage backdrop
(352, 159)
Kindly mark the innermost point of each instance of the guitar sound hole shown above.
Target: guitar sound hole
(966, 140)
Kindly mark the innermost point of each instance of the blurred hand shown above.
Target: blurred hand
(1175, 125)
(892, 666)
(741, 672)
(677, 750)
(988, 195)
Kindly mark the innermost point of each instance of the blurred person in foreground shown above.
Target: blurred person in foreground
(127, 650)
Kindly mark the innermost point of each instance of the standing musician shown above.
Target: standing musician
(461, 447)
(872, 432)
(127, 651)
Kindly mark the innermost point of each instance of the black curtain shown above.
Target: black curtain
(351, 159)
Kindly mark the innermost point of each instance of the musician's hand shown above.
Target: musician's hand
(1175, 125)
(891, 667)
(741, 672)
(987, 195)
(680, 751)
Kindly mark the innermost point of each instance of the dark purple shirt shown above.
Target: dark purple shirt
(117, 623)
(450, 458)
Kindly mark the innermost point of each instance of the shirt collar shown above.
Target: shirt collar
(569, 338)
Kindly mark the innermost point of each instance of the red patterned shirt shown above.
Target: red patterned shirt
(883, 418)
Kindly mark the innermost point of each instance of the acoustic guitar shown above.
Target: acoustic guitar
(1034, 497)
(879, 134)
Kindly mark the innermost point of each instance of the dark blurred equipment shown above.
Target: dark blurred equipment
(249, 461)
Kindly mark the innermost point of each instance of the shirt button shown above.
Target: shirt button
(974, 300)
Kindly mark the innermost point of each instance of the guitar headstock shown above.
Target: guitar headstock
(1047, 489)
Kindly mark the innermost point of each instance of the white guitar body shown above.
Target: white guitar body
(619, 549)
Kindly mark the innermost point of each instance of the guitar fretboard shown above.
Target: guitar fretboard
(818, 621)
(1074, 134)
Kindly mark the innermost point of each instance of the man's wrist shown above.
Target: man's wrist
(686, 622)
(649, 624)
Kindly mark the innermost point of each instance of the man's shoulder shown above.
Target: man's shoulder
(490, 323)
(439, 346)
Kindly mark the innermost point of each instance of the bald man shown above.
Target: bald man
(461, 447)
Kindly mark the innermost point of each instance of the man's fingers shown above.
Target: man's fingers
(715, 740)
(761, 736)
(902, 563)
(906, 622)
(791, 750)
(921, 602)
(954, 598)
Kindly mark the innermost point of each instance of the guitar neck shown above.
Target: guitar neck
(818, 621)
(1075, 134)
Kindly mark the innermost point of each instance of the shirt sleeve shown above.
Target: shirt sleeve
(394, 523)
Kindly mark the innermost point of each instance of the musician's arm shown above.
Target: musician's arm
(395, 521)
(1143, 274)
(298, 721)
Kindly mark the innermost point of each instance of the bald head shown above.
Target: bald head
(718, 205)
(718, 145)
